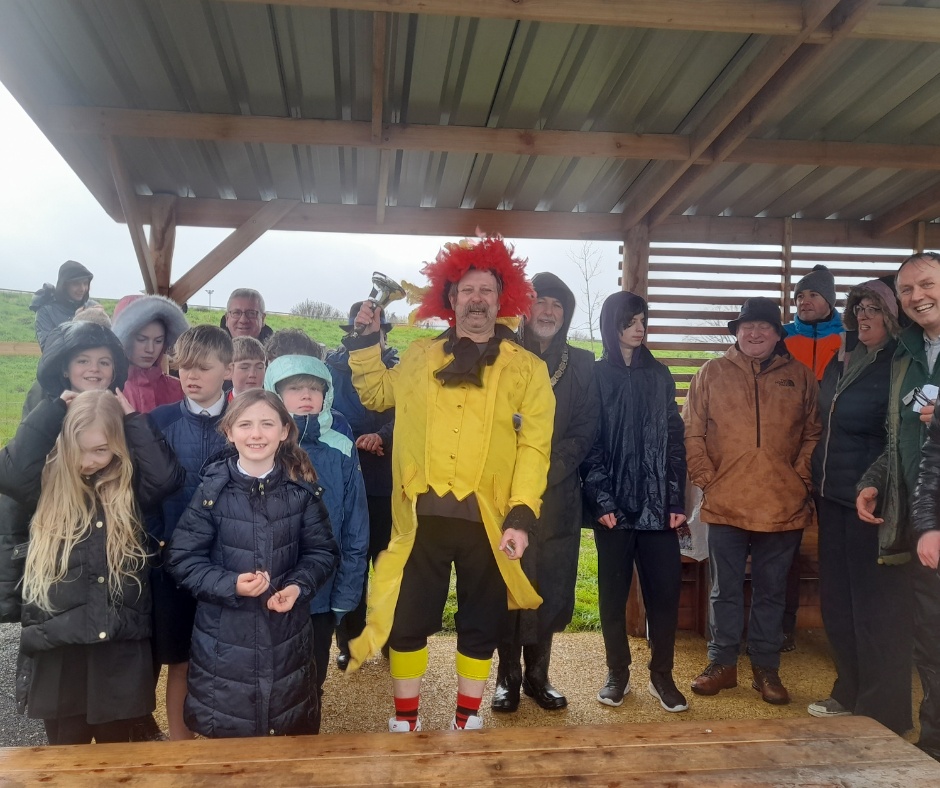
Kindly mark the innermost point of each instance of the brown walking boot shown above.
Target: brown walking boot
(715, 678)
(767, 683)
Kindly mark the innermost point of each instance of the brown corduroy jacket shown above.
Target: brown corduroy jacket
(749, 436)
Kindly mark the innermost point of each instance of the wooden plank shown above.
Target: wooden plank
(636, 260)
(193, 212)
(732, 254)
(162, 239)
(227, 250)
(678, 330)
(381, 197)
(704, 301)
(925, 205)
(663, 280)
(155, 124)
(20, 349)
(719, 347)
(680, 361)
(717, 269)
(770, 17)
(656, 313)
(638, 754)
(133, 216)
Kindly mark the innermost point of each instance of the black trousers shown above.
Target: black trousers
(659, 563)
(481, 592)
(77, 730)
(866, 608)
(926, 586)
(380, 532)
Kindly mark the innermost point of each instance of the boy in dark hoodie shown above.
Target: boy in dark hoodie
(56, 304)
(634, 490)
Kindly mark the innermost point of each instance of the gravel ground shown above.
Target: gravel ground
(363, 701)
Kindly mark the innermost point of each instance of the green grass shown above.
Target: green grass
(586, 616)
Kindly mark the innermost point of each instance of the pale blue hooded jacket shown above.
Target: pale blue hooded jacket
(336, 462)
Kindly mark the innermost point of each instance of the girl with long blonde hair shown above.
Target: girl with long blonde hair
(85, 644)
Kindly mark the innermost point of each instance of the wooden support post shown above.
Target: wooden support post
(163, 239)
(920, 237)
(132, 215)
(636, 259)
(381, 197)
(787, 267)
(237, 242)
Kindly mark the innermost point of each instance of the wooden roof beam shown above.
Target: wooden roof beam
(95, 121)
(654, 182)
(758, 17)
(921, 206)
(264, 217)
(133, 216)
(791, 73)
(194, 212)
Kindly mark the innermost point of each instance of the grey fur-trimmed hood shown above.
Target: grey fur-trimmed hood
(133, 312)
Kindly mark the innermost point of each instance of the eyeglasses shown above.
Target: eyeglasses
(867, 311)
(251, 314)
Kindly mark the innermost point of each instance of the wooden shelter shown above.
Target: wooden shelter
(721, 124)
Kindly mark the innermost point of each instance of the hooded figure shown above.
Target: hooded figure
(68, 340)
(551, 560)
(149, 387)
(634, 491)
(55, 304)
(337, 465)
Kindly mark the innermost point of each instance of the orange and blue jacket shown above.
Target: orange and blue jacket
(814, 344)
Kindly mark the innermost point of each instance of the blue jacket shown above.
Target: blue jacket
(194, 439)
(250, 673)
(337, 465)
(376, 471)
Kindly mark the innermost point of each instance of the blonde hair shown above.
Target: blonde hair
(247, 349)
(69, 504)
(291, 457)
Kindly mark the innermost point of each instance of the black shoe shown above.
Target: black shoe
(506, 696)
(611, 694)
(664, 689)
(342, 660)
(545, 695)
(789, 642)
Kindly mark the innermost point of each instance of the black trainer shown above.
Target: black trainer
(664, 689)
(611, 694)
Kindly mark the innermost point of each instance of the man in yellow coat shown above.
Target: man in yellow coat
(471, 448)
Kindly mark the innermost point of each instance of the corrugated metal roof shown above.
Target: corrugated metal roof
(293, 61)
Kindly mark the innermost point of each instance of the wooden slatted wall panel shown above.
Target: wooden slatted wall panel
(694, 292)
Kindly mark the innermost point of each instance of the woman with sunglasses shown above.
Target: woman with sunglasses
(865, 604)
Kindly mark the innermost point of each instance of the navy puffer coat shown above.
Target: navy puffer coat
(251, 673)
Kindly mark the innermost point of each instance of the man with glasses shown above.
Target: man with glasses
(886, 489)
(244, 315)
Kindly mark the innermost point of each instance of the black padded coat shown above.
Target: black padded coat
(251, 670)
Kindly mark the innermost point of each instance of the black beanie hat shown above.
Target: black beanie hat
(758, 308)
(819, 280)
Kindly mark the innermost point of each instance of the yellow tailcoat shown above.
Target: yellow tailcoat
(460, 439)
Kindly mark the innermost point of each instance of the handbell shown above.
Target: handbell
(384, 291)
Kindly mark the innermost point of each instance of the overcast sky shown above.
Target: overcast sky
(49, 217)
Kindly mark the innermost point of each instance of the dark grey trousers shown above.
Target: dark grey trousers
(771, 557)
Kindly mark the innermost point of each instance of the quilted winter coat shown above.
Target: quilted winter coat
(251, 670)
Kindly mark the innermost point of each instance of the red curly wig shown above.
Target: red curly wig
(488, 253)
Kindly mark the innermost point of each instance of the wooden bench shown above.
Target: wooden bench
(847, 751)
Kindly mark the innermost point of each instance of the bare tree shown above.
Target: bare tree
(318, 310)
(588, 261)
(721, 335)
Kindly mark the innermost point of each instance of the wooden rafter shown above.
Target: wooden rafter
(193, 212)
(758, 17)
(263, 219)
(804, 60)
(379, 25)
(461, 139)
(921, 206)
(163, 239)
(381, 197)
(133, 216)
